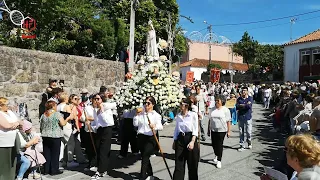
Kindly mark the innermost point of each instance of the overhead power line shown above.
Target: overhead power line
(267, 20)
(274, 25)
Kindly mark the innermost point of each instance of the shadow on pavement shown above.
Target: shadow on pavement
(235, 147)
(272, 155)
(115, 163)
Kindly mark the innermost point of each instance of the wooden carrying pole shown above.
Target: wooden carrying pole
(199, 128)
(90, 131)
(94, 146)
(155, 137)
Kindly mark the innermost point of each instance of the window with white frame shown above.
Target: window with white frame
(305, 57)
(316, 56)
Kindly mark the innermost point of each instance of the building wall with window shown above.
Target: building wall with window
(301, 60)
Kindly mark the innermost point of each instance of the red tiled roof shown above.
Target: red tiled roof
(314, 36)
(223, 64)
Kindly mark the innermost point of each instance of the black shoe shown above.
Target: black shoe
(203, 138)
(56, 173)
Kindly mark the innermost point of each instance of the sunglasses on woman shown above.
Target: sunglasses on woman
(147, 103)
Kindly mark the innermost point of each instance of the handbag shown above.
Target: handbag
(17, 143)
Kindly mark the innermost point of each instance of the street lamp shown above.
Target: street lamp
(210, 38)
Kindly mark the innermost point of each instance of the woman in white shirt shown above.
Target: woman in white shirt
(90, 131)
(146, 141)
(8, 131)
(185, 142)
(103, 119)
(219, 125)
(267, 93)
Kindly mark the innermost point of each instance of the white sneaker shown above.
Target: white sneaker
(94, 169)
(36, 175)
(72, 164)
(215, 160)
(104, 174)
(250, 146)
(150, 178)
(219, 164)
(95, 176)
(153, 155)
(241, 149)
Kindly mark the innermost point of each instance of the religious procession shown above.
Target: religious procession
(159, 108)
(79, 129)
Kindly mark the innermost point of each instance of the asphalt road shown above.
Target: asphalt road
(246, 165)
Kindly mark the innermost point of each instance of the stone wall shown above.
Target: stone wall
(24, 75)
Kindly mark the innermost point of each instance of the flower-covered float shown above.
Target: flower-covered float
(151, 78)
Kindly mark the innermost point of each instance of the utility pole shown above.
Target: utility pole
(231, 78)
(292, 21)
(210, 39)
(231, 63)
(134, 4)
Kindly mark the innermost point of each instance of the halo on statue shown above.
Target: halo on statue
(16, 16)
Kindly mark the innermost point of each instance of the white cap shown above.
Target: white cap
(54, 100)
(84, 91)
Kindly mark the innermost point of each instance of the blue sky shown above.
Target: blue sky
(217, 12)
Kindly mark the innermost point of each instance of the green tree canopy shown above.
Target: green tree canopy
(212, 66)
(270, 56)
(97, 28)
(246, 48)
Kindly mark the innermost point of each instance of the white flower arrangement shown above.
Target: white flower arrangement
(166, 90)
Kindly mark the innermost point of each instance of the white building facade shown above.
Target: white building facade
(302, 57)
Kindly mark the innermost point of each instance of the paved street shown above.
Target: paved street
(236, 165)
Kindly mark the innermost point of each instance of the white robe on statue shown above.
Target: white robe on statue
(152, 49)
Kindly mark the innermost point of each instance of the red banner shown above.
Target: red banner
(215, 75)
(190, 76)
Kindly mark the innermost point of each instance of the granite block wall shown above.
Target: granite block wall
(24, 75)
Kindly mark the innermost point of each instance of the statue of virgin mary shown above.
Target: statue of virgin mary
(152, 49)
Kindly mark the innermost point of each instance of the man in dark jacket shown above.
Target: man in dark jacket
(244, 107)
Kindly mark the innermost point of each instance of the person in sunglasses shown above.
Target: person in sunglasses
(146, 141)
(185, 142)
(103, 119)
(68, 138)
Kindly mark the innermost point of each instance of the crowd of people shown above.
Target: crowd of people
(71, 122)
